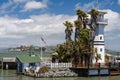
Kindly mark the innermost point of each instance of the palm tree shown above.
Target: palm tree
(79, 13)
(81, 38)
(61, 52)
(97, 56)
(106, 58)
(85, 19)
(64, 54)
(76, 54)
(68, 44)
(82, 16)
(81, 49)
(78, 26)
(54, 56)
(68, 30)
(86, 48)
(94, 15)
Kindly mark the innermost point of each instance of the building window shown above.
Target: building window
(100, 49)
(100, 37)
(32, 64)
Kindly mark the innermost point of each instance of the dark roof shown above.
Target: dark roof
(28, 58)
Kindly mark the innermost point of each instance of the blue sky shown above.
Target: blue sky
(24, 22)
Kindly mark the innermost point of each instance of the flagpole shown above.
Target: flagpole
(42, 41)
(41, 51)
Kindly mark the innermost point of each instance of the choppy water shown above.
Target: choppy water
(11, 75)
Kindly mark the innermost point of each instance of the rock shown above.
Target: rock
(59, 72)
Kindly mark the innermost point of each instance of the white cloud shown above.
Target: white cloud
(85, 7)
(112, 31)
(119, 2)
(27, 30)
(10, 6)
(24, 21)
(34, 5)
(21, 1)
(22, 5)
(4, 6)
(113, 20)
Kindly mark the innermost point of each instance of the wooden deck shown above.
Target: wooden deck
(114, 73)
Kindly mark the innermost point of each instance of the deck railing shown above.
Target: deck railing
(58, 65)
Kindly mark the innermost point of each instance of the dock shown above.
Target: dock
(114, 71)
(100, 70)
(92, 71)
(85, 71)
(9, 63)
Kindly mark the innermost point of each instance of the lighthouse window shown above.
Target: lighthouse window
(100, 37)
(100, 49)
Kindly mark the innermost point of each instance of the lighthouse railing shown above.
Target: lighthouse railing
(105, 21)
(102, 21)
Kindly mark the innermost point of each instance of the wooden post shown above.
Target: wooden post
(2, 64)
(88, 66)
(99, 69)
(119, 66)
(6, 66)
(109, 66)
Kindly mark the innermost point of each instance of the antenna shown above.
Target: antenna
(97, 4)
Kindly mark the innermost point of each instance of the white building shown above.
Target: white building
(99, 36)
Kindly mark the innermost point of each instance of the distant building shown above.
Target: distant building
(9, 63)
(114, 59)
(24, 61)
(24, 48)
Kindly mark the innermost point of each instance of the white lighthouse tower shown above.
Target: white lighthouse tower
(99, 36)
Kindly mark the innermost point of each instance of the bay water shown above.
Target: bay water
(11, 75)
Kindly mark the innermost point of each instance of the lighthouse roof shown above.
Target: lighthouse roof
(102, 12)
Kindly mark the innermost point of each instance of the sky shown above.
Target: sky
(24, 22)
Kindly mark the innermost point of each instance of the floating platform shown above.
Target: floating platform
(97, 71)
(92, 71)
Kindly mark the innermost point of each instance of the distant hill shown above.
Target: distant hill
(112, 52)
